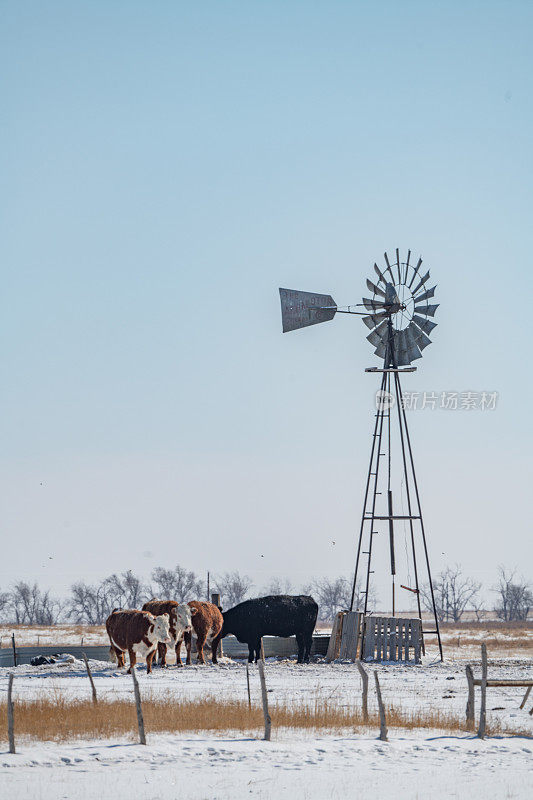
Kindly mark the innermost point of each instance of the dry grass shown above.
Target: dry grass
(505, 628)
(56, 719)
(493, 642)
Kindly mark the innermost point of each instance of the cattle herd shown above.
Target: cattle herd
(167, 622)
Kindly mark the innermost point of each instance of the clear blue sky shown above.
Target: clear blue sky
(165, 167)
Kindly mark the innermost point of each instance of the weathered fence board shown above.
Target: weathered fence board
(350, 635)
(334, 646)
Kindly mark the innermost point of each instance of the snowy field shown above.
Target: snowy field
(288, 768)
(413, 764)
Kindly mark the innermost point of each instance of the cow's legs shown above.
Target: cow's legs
(300, 641)
(200, 641)
(149, 659)
(214, 648)
(133, 658)
(178, 651)
(251, 652)
(308, 645)
(162, 650)
(258, 650)
(118, 654)
(188, 646)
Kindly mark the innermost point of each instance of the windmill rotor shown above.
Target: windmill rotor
(406, 311)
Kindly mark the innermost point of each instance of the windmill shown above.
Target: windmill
(400, 318)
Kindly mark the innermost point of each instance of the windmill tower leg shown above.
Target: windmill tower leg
(370, 498)
(402, 422)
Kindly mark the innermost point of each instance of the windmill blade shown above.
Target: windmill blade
(426, 324)
(399, 344)
(373, 305)
(379, 335)
(381, 350)
(373, 288)
(414, 353)
(407, 266)
(429, 311)
(419, 336)
(425, 296)
(413, 350)
(388, 266)
(379, 273)
(300, 309)
(398, 265)
(402, 359)
(422, 282)
(374, 319)
(415, 272)
(400, 349)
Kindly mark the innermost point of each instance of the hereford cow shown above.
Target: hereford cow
(181, 618)
(207, 624)
(275, 615)
(138, 632)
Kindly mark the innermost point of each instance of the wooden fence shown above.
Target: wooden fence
(374, 638)
(392, 639)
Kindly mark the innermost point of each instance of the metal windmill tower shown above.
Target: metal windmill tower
(398, 316)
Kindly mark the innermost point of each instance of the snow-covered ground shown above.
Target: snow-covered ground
(413, 764)
(291, 767)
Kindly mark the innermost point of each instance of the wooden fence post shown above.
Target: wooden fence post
(264, 696)
(140, 720)
(382, 720)
(483, 709)
(248, 684)
(10, 715)
(14, 650)
(93, 687)
(364, 678)
(470, 704)
(524, 701)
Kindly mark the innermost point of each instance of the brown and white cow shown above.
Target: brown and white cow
(207, 623)
(138, 633)
(181, 618)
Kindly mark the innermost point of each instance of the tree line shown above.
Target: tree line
(27, 604)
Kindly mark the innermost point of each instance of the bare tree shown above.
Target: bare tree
(515, 598)
(90, 604)
(233, 587)
(453, 593)
(30, 605)
(4, 605)
(176, 584)
(125, 590)
(333, 595)
(278, 586)
(479, 609)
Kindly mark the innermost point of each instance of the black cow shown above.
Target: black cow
(275, 615)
